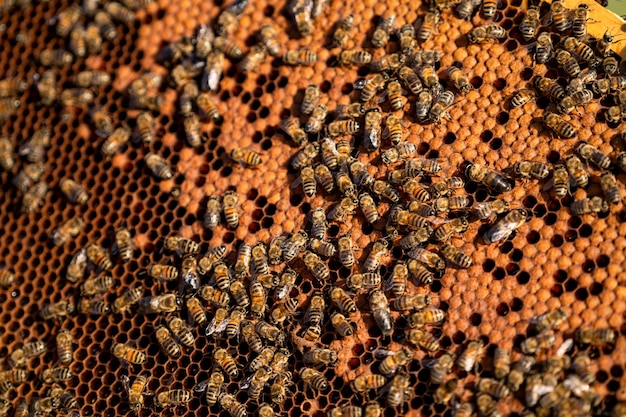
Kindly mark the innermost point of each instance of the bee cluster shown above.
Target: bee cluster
(206, 297)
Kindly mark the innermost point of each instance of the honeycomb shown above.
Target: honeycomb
(555, 260)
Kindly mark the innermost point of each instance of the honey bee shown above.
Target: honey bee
(604, 45)
(549, 320)
(345, 185)
(12, 86)
(66, 20)
(440, 105)
(233, 328)
(181, 331)
(77, 267)
(220, 298)
(135, 391)
(212, 261)
(319, 356)
(487, 33)
(341, 324)
(119, 12)
(324, 177)
(57, 310)
(218, 322)
(129, 354)
(275, 251)
(520, 369)
(400, 152)
(465, 8)
(228, 47)
(398, 390)
(213, 387)
(317, 267)
(423, 339)
(423, 105)
(78, 42)
(490, 178)
(454, 255)
(589, 205)
(55, 57)
(428, 258)
(426, 317)
(489, 8)
(460, 80)
(172, 398)
(204, 41)
(314, 379)
(406, 34)
(74, 192)
(542, 341)
(292, 128)
(311, 97)
(163, 272)
(530, 23)
(7, 278)
(98, 285)
(52, 375)
(529, 169)
(159, 166)
(610, 188)
(212, 215)
(505, 226)
(372, 86)
(68, 230)
(44, 406)
(340, 36)
(214, 68)
(278, 390)
(561, 181)
(300, 56)
(164, 303)
(594, 155)
(246, 158)
(185, 103)
(113, 143)
(559, 16)
(523, 96)
(196, 311)
(360, 174)
(283, 311)
(294, 245)
(340, 298)
(12, 377)
(429, 24)
(93, 39)
(229, 203)
(549, 87)
(501, 363)
(20, 356)
(189, 273)
(447, 230)
(207, 106)
(33, 197)
(380, 37)
(269, 332)
(258, 53)
(315, 312)
(346, 251)
(373, 119)
(232, 406)
(343, 127)
(472, 353)
(256, 382)
(322, 248)
(494, 388)
(7, 154)
(579, 23)
(568, 63)
(380, 310)
(446, 391)
(392, 361)
(127, 299)
(577, 171)
(74, 97)
(415, 238)
(258, 297)
(610, 65)
(242, 264)
(441, 367)
(192, 130)
(94, 307)
(268, 37)
(406, 218)
(225, 361)
(285, 283)
(581, 49)
(315, 122)
(346, 411)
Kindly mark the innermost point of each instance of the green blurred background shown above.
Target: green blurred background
(618, 7)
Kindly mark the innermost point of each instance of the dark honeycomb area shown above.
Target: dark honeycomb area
(556, 260)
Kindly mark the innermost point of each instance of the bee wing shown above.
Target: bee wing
(565, 347)
(382, 97)
(245, 384)
(387, 287)
(126, 382)
(296, 183)
(360, 84)
(202, 386)
(282, 292)
(215, 327)
(382, 353)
